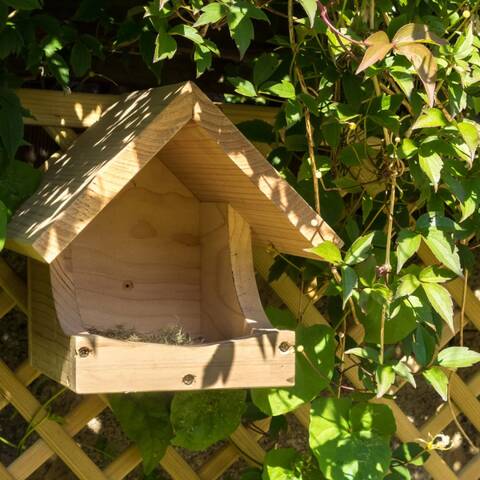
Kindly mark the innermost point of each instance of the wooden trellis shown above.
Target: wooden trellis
(59, 114)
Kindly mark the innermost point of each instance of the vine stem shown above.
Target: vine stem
(464, 303)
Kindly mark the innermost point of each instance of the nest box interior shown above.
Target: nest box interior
(146, 225)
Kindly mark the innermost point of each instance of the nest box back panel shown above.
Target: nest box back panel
(137, 264)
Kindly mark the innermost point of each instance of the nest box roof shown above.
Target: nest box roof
(207, 153)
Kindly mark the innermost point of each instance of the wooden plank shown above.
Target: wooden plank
(13, 285)
(7, 303)
(36, 455)
(175, 465)
(51, 432)
(247, 446)
(82, 110)
(471, 471)
(63, 137)
(4, 474)
(123, 464)
(443, 417)
(26, 374)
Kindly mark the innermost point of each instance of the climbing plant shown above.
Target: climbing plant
(376, 128)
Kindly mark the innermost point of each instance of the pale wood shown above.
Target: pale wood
(51, 432)
(6, 303)
(228, 455)
(4, 474)
(123, 464)
(465, 400)
(63, 137)
(471, 470)
(26, 374)
(443, 417)
(174, 464)
(104, 159)
(82, 110)
(13, 285)
(250, 450)
(230, 303)
(36, 455)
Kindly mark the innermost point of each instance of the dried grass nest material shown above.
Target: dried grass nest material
(172, 335)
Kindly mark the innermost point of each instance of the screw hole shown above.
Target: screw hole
(188, 379)
(284, 347)
(127, 285)
(83, 352)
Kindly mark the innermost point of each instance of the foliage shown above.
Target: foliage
(376, 127)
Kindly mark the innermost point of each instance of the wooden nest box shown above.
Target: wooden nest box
(143, 226)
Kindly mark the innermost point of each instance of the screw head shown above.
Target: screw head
(83, 352)
(188, 379)
(284, 347)
(127, 285)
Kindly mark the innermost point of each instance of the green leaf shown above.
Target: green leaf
(412, 453)
(59, 69)
(359, 250)
(408, 244)
(431, 163)
(241, 29)
(384, 376)
(264, 67)
(284, 89)
(211, 13)
(310, 7)
(364, 352)
(11, 124)
(435, 274)
(165, 47)
(349, 283)
(144, 418)
(313, 371)
(3, 224)
(424, 344)
(417, 32)
(441, 301)
(407, 285)
(443, 250)
(403, 370)
(279, 464)
(80, 59)
(431, 118)
(200, 419)
(351, 443)
(187, 31)
(328, 252)
(23, 4)
(242, 86)
(457, 357)
(281, 318)
(469, 133)
(438, 379)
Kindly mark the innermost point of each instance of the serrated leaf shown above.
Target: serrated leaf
(407, 285)
(433, 117)
(349, 283)
(313, 371)
(211, 13)
(242, 86)
(424, 64)
(165, 47)
(279, 464)
(359, 250)
(364, 352)
(470, 135)
(264, 67)
(384, 377)
(196, 420)
(378, 47)
(435, 274)
(310, 7)
(241, 29)
(408, 244)
(444, 251)
(457, 357)
(144, 417)
(403, 370)
(328, 252)
(187, 31)
(441, 301)
(416, 32)
(431, 164)
(438, 379)
(283, 89)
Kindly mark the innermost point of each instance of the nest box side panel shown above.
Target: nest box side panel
(137, 264)
(230, 300)
(50, 350)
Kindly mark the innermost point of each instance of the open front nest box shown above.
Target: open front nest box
(141, 232)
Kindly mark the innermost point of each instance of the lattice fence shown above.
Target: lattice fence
(59, 114)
